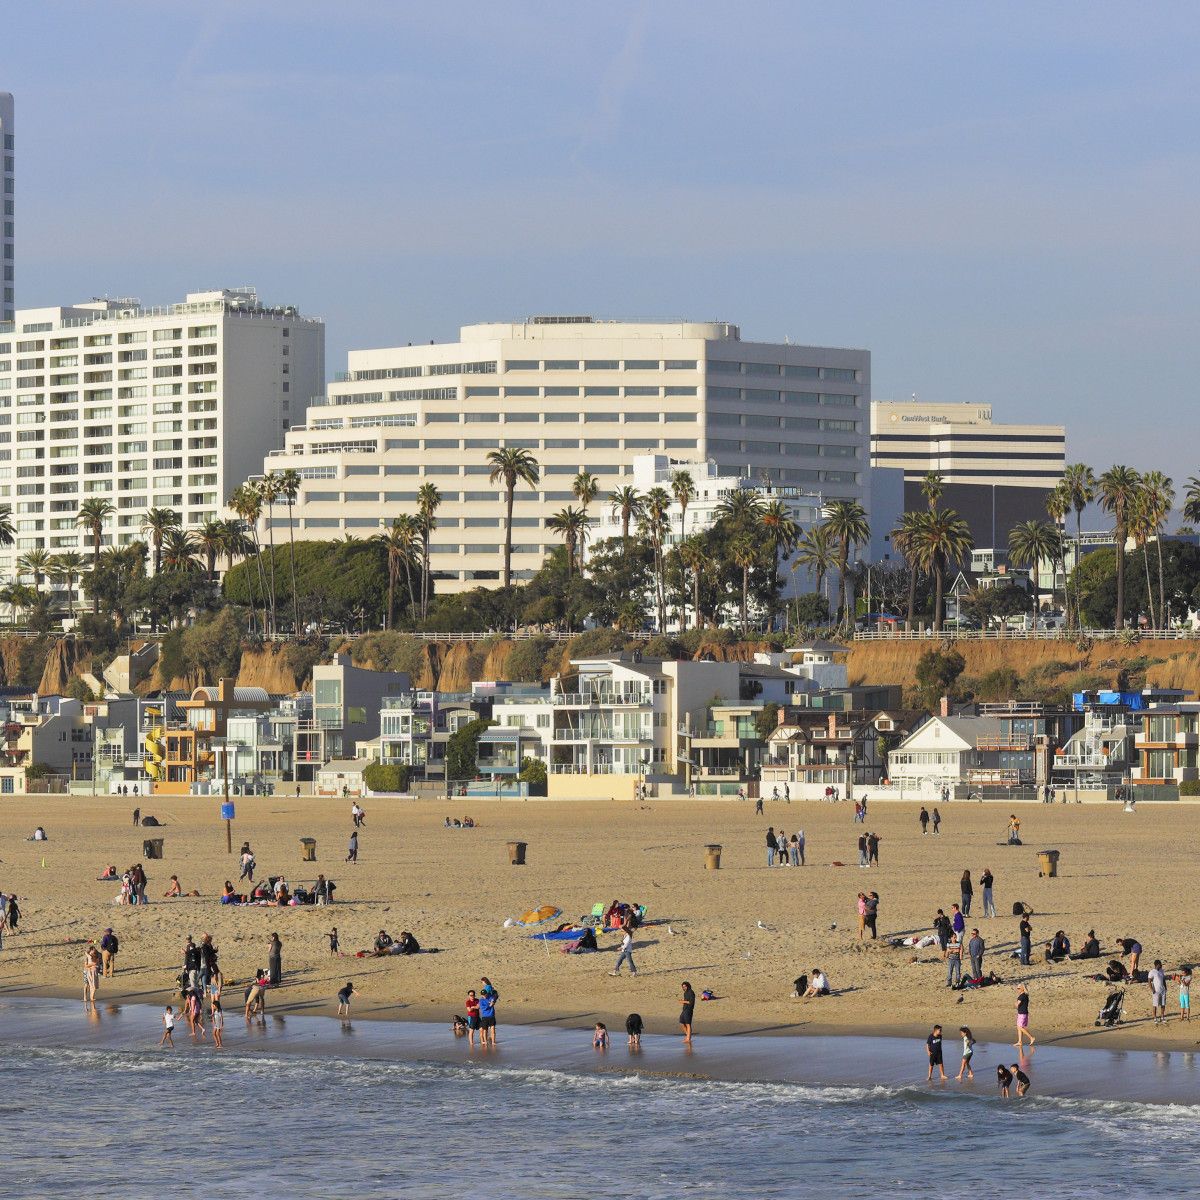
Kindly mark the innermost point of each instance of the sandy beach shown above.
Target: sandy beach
(1120, 873)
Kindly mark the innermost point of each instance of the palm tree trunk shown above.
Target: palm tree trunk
(939, 578)
(412, 600)
(912, 598)
(1162, 596)
(96, 536)
(745, 596)
(1149, 588)
(391, 600)
(696, 599)
(1075, 569)
(424, 574)
(292, 564)
(843, 559)
(271, 537)
(508, 507)
(1119, 622)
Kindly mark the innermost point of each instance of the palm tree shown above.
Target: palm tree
(846, 521)
(1079, 487)
(511, 465)
(1058, 504)
(684, 491)
(157, 522)
(429, 500)
(694, 557)
(68, 567)
(8, 532)
(406, 531)
(1141, 529)
(571, 525)
(1117, 490)
(268, 489)
(18, 595)
(37, 563)
(742, 507)
(744, 553)
(247, 503)
(814, 551)
(627, 503)
(209, 540)
(1191, 504)
(943, 538)
(585, 487)
(654, 525)
(905, 537)
(932, 487)
(91, 516)
(180, 552)
(1158, 492)
(1031, 542)
(782, 532)
(289, 490)
(400, 542)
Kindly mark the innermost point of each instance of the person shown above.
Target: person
(194, 1014)
(174, 889)
(871, 916)
(775, 792)
(473, 1018)
(975, 949)
(1014, 830)
(942, 930)
(91, 968)
(968, 1049)
(488, 997)
(862, 914)
(935, 819)
(923, 817)
(1158, 992)
(819, 985)
(933, 1047)
(13, 913)
(343, 996)
(1060, 947)
(1185, 993)
(800, 845)
(356, 814)
(957, 924)
(1133, 949)
(794, 851)
(256, 997)
(758, 804)
(1091, 947)
(407, 944)
(864, 809)
(600, 1036)
(383, 943)
(862, 849)
(1023, 1017)
(954, 963)
(966, 892)
(1021, 1078)
(633, 1029)
(218, 1023)
(781, 840)
(39, 835)
(168, 1027)
(872, 849)
(321, 890)
(247, 857)
(772, 845)
(332, 935)
(687, 1011)
(275, 960)
(1025, 930)
(625, 954)
(1004, 1079)
(985, 882)
(137, 816)
(857, 812)
(191, 963)
(109, 945)
(352, 856)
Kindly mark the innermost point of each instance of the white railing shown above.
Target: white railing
(1017, 635)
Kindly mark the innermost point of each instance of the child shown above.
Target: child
(168, 1028)
(633, 1027)
(459, 1026)
(1185, 993)
(344, 999)
(600, 1036)
(968, 1048)
(1004, 1079)
(195, 1014)
(933, 1046)
(473, 1024)
(1021, 1078)
(333, 942)
(218, 1022)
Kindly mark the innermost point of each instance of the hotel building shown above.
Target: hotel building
(144, 407)
(995, 476)
(8, 150)
(579, 394)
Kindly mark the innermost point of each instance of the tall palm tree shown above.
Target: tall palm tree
(932, 487)
(905, 537)
(1058, 504)
(654, 525)
(694, 557)
(1141, 529)
(92, 514)
(511, 465)
(1117, 491)
(268, 489)
(744, 553)
(209, 540)
(846, 521)
(247, 503)
(781, 530)
(943, 538)
(68, 567)
(571, 525)
(157, 522)
(289, 490)
(36, 562)
(429, 500)
(180, 552)
(742, 507)
(8, 531)
(406, 531)
(1191, 504)
(1030, 543)
(1079, 487)
(627, 504)
(683, 489)
(400, 543)
(815, 552)
(1158, 491)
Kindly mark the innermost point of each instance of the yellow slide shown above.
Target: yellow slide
(156, 751)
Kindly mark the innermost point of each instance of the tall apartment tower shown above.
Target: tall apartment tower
(168, 407)
(8, 149)
(580, 394)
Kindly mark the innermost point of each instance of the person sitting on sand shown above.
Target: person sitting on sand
(174, 889)
(468, 823)
(383, 943)
(39, 835)
(109, 875)
(1060, 947)
(819, 985)
(407, 944)
(1091, 948)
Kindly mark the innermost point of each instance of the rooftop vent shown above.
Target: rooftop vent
(561, 320)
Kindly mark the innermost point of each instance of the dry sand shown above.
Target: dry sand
(1124, 874)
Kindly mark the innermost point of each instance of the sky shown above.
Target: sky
(998, 201)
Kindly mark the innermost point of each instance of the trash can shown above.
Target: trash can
(308, 849)
(516, 853)
(152, 847)
(1048, 863)
(712, 857)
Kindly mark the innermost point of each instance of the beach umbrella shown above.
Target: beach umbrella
(535, 916)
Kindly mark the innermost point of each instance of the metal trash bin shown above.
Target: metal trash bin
(152, 848)
(712, 857)
(1048, 863)
(308, 849)
(516, 853)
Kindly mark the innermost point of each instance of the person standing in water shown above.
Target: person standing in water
(933, 1047)
(968, 1049)
(168, 1028)
(687, 1012)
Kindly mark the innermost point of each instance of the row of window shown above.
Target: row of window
(131, 337)
(761, 421)
(371, 446)
(718, 366)
(508, 393)
(814, 449)
(494, 418)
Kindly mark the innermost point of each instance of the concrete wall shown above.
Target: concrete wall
(592, 787)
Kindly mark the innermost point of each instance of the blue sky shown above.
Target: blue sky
(998, 201)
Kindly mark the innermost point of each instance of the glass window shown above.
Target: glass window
(681, 364)
(521, 364)
(600, 364)
(642, 364)
(802, 372)
(562, 364)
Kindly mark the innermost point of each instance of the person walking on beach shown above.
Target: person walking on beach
(968, 1049)
(923, 817)
(800, 845)
(772, 845)
(985, 882)
(935, 819)
(488, 997)
(872, 849)
(275, 960)
(1157, 980)
(1023, 1017)
(333, 942)
(343, 998)
(862, 914)
(687, 1012)
(933, 1047)
(871, 916)
(247, 860)
(352, 855)
(1025, 930)
(758, 806)
(975, 949)
(109, 945)
(625, 954)
(168, 1028)
(862, 849)
(966, 892)
(218, 1023)
(137, 816)
(942, 930)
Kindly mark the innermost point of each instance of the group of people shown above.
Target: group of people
(868, 849)
(926, 818)
(785, 852)
(1005, 1076)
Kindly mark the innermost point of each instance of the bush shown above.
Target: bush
(1190, 787)
(533, 772)
(1000, 684)
(937, 672)
(390, 652)
(665, 647)
(386, 777)
(462, 750)
(596, 642)
(527, 661)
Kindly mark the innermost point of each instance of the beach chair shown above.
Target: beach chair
(597, 915)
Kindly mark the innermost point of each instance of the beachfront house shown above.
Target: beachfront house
(1167, 744)
(415, 726)
(947, 752)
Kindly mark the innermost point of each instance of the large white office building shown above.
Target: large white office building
(8, 177)
(579, 394)
(167, 407)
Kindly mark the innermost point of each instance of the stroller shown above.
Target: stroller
(1110, 1014)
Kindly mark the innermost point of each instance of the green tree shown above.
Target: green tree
(906, 539)
(386, 777)
(35, 562)
(1158, 498)
(812, 609)
(782, 531)
(429, 500)
(1079, 487)
(744, 554)
(846, 521)
(289, 491)
(462, 751)
(942, 539)
(1032, 542)
(247, 503)
(400, 543)
(683, 491)
(511, 465)
(533, 772)
(67, 567)
(92, 514)
(157, 522)
(1117, 491)
(571, 525)
(937, 671)
(627, 504)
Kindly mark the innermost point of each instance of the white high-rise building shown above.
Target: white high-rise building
(579, 394)
(168, 407)
(8, 151)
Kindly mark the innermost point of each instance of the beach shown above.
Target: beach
(744, 931)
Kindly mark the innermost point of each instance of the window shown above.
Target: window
(679, 391)
(841, 374)
(562, 391)
(641, 417)
(482, 391)
(641, 391)
(840, 401)
(521, 391)
(680, 417)
(562, 364)
(521, 364)
(802, 372)
(681, 364)
(469, 368)
(601, 364)
(801, 398)
(601, 391)
(642, 364)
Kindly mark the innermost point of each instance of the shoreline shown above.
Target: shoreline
(814, 1059)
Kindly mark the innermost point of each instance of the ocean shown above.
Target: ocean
(112, 1116)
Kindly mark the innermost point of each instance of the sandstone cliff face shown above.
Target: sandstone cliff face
(268, 668)
(61, 663)
(731, 652)
(495, 661)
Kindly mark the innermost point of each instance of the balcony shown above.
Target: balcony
(605, 734)
(598, 698)
(1019, 742)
